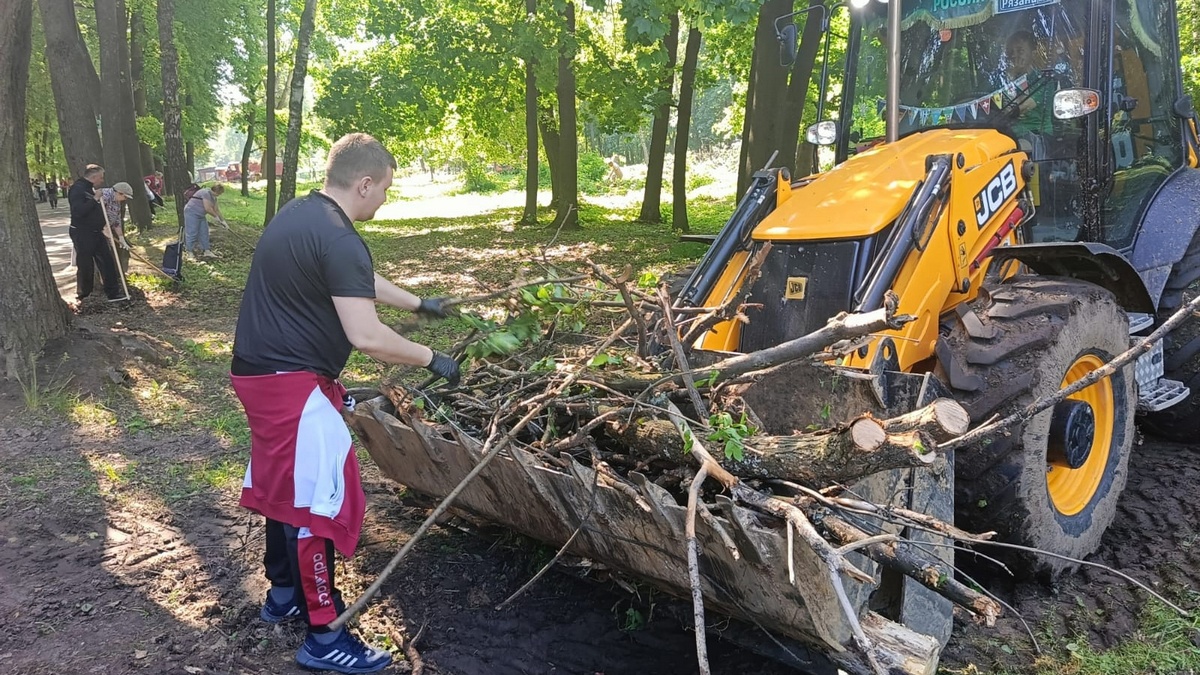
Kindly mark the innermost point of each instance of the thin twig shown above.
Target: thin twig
(693, 558)
(680, 355)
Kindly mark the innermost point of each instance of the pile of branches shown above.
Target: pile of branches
(602, 367)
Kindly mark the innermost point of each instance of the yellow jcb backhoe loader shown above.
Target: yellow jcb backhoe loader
(1021, 173)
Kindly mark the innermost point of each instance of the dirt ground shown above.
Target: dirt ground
(122, 550)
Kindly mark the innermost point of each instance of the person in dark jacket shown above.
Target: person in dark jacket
(89, 235)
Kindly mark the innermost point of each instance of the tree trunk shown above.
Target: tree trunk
(291, 146)
(683, 129)
(765, 95)
(31, 311)
(551, 142)
(268, 165)
(139, 205)
(248, 147)
(567, 217)
(75, 86)
(529, 217)
(109, 31)
(817, 459)
(137, 60)
(792, 111)
(176, 173)
(652, 194)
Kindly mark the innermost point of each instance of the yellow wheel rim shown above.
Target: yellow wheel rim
(1071, 490)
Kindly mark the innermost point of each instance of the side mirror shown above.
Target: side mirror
(823, 133)
(1070, 104)
(787, 44)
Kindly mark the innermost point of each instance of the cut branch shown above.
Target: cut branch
(927, 570)
(863, 448)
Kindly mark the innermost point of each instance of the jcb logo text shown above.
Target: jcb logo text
(991, 198)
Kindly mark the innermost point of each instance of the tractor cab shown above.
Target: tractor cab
(1090, 91)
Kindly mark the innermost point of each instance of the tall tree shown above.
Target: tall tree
(291, 147)
(172, 116)
(139, 204)
(75, 84)
(764, 96)
(268, 163)
(108, 30)
(799, 84)
(652, 196)
(31, 311)
(529, 217)
(137, 69)
(248, 146)
(548, 126)
(567, 217)
(683, 127)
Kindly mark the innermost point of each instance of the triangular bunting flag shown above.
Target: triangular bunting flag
(974, 109)
(986, 105)
(998, 99)
(1023, 83)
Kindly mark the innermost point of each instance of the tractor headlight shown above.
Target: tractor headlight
(1072, 103)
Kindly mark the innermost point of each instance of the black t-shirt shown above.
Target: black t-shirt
(309, 253)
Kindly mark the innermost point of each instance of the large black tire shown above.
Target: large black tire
(1181, 352)
(1024, 337)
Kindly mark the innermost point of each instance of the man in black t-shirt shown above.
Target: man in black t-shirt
(309, 299)
(87, 231)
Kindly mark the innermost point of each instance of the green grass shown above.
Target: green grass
(1162, 644)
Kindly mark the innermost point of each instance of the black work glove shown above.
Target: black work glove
(436, 307)
(444, 365)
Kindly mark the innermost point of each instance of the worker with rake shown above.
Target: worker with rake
(310, 298)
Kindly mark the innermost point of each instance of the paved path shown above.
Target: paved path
(58, 246)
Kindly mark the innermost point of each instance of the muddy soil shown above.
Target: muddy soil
(101, 576)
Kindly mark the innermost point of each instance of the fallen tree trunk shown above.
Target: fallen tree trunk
(864, 447)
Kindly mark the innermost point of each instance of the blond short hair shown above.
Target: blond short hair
(354, 156)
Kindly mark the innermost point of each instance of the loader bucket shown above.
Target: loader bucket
(643, 535)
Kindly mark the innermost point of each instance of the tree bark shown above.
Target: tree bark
(248, 147)
(529, 217)
(190, 154)
(268, 166)
(765, 95)
(137, 61)
(75, 85)
(291, 146)
(139, 205)
(31, 311)
(550, 140)
(567, 217)
(175, 173)
(792, 111)
(109, 30)
(683, 129)
(817, 459)
(652, 194)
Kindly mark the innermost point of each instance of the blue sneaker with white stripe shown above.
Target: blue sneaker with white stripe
(346, 654)
(276, 612)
